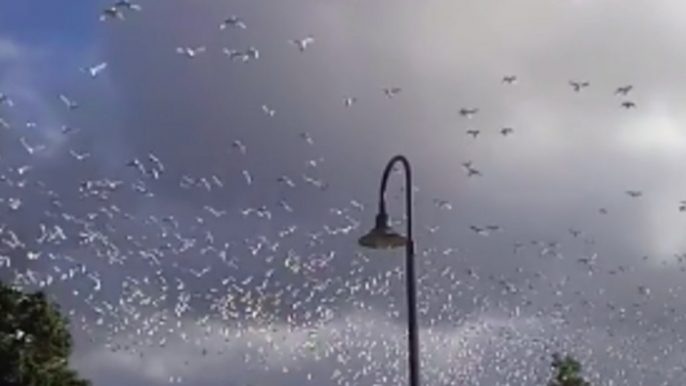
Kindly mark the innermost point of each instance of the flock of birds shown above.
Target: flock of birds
(134, 281)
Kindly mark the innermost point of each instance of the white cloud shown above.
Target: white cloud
(655, 132)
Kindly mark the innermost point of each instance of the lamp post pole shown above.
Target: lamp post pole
(410, 280)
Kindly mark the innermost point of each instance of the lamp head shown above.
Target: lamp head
(382, 236)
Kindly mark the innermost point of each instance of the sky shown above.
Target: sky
(227, 252)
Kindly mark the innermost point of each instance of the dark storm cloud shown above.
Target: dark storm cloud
(570, 155)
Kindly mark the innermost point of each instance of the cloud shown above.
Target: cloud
(9, 50)
(357, 345)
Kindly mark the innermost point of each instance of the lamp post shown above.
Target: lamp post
(382, 236)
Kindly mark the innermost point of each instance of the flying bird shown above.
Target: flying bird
(252, 53)
(505, 131)
(634, 193)
(127, 4)
(682, 206)
(478, 230)
(190, 52)
(233, 21)
(578, 85)
(471, 172)
(303, 43)
(468, 113)
(510, 79)
(307, 138)
(268, 111)
(95, 70)
(30, 149)
(624, 90)
(6, 100)
(79, 157)
(628, 105)
(392, 91)
(239, 146)
(71, 105)
(111, 13)
(349, 101)
(473, 133)
(244, 56)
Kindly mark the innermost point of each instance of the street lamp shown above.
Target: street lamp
(382, 236)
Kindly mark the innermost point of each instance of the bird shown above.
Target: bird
(79, 157)
(233, 21)
(95, 70)
(303, 43)
(628, 104)
(682, 206)
(349, 101)
(247, 176)
(575, 233)
(268, 111)
(478, 230)
(238, 145)
(578, 85)
(127, 4)
(509, 79)
(470, 169)
(71, 105)
(244, 56)
(307, 138)
(233, 54)
(111, 13)
(442, 204)
(505, 131)
(190, 52)
(252, 53)
(624, 90)
(634, 193)
(6, 100)
(68, 129)
(473, 133)
(468, 113)
(392, 91)
(30, 149)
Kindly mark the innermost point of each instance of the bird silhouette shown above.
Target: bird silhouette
(628, 104)
(95, 70)
(473, 133)
(509, 79)
(232, 21)
(468, 113)
(303, 43)
(624, 90)
(128, 4)
(190, 52)
(111, 13)
(505, 131)
(392, 91)
(577, 86)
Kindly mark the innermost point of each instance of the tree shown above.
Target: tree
(567, 372)
(35, 343)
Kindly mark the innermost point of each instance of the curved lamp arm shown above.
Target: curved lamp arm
(408, 192)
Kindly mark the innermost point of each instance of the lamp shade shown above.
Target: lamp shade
(382, 236)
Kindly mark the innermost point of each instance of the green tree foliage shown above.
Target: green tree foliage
(35, 343)
(567, 372)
